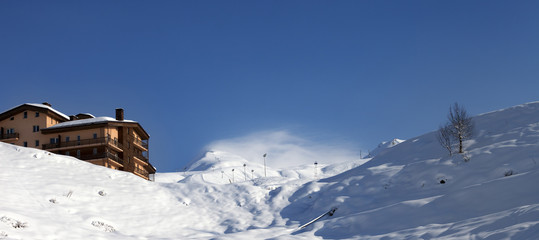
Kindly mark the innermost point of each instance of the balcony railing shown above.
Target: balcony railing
(9, 136)
(142, 172)
(83, 142)
(141, 157)
(143, 143)
(102, 155)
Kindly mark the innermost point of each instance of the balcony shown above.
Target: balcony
(8, 137)
(142, 158)
(84, 143)
(142, 173)
(143, 144)
(101, 156)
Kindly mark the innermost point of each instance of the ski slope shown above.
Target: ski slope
(412, 190)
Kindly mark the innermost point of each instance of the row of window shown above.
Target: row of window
(24, 115)
(94, 152)
(12, 130)
(25, 144)
(56, 140)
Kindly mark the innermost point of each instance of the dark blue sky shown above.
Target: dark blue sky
(192, 72)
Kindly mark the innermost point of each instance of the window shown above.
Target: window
(25, 144)
(11, 118)
(78, 153)
(10, 131)
(95, 151)
(37, 114)
(25, 115)
(67, 139)
(95, 135)
(67, 153)
(37, 143)
(54, 140)
(36, 128)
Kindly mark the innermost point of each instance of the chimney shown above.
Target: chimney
(47, 104)
(119, 114)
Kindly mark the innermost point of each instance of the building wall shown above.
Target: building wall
(25, 127)
(50, 121)
(83, 134)
(112, 131)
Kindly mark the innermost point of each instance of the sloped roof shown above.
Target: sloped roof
(92, 121)
(89, 121)
(13, 110)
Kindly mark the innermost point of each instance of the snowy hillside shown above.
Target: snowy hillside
(412, 190)
(384, 146)
(415, 190)
(48, 196)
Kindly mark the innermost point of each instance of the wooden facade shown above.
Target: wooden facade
(110, 142)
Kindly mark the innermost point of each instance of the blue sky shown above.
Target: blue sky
(349, 73)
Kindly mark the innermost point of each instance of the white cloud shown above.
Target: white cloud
(283, 149)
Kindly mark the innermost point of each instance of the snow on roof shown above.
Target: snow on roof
(87, 114)
(88, 121)
(43, 106)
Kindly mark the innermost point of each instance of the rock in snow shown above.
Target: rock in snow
(413, 191)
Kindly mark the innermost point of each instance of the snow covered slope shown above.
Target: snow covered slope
(48, 196)
(384, 146)
(413, 190)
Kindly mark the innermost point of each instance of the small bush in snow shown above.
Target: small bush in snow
(52, 200)
(466, 157)
(14, 223)
(442, 180)
(103, 226)
(508, 173)
(102, 193)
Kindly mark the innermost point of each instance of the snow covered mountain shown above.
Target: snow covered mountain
(384, 146)
(412, 190)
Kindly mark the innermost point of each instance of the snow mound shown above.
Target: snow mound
(219, 167)
(384, 146)
(217, 160)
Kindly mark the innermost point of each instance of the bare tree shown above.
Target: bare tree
(460, 124)
(446, 138)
